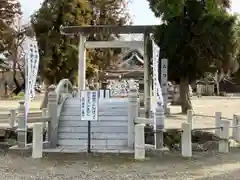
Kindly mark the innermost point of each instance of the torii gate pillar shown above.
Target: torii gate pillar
(147, 77)
(82, 65)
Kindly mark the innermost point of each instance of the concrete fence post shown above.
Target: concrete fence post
(12, 120)
(186, 140)
(236, 131)
(45, 124)
(22, 126)
(218, 116)
(37, 148)
(139, 148)
(223, 145)
(190, 117)
(53, 113)
(132, 115)
(159, 124)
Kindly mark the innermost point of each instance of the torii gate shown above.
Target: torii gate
(83, 31)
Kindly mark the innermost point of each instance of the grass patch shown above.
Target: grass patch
(20, 96)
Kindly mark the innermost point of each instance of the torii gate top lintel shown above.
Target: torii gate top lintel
(136, 29)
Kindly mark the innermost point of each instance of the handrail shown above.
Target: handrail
(63, 89)
(64, 86)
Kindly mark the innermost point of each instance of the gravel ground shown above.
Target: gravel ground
(207, 165)
(107, 167)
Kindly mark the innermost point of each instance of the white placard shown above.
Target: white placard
(31, 70)
(164, 80)
(89, 105)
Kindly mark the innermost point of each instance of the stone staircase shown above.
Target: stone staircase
(109, 133)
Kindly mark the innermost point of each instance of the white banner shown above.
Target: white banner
(89, 105)
(31, 70)
(157, 91)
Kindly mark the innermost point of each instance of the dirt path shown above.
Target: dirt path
(205, 106)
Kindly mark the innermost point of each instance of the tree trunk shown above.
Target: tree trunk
(185, 95)
(19, 87)
(217, 87)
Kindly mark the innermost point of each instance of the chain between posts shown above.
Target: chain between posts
(196, 129)
(207, 116)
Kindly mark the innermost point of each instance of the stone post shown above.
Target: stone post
(37, 148)
(107, 93)
(236, 131)
(22, 126)
(101, 94)
(45, 124)
(139, 148)
(218, 116)
(158, 125)
(186, 140)
(190, 117)
(12, 119)
(53, 113)
(223, 145)
(132, 115)
(75, 90)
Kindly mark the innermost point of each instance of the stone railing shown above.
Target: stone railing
(9, 120)
(63, 90)
(22, 124)
(56, 98)
(47, 119)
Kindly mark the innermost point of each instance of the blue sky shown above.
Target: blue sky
(142, 15)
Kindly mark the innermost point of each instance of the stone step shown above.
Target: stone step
(101, 129)
(95, 143)
(110, 124)
(94, 135)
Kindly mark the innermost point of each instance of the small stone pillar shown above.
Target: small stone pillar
(45, 124)
(75, 90)
(53, 113)
(132, 115)
(159, 126)
(223, 145)
(37, 148)
(236, 130)
(22, 126)
(139, 148)
(186, 140)
(12, 119)
(218, 116)
(101, 94)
